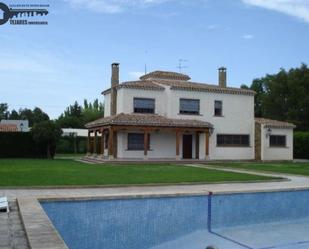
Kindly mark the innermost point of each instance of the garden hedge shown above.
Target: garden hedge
(71, 144)
(301, 145)
(20, 145)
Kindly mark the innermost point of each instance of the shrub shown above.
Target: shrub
(19, 145)
(301, 145)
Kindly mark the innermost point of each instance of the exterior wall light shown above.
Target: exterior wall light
(211, 131)
(268, 132)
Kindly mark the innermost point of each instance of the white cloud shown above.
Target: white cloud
(296, 8)
(113, 6)
(135, 75)
(248, 36)
(211, 27)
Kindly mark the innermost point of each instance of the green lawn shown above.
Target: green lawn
(27, 172)
(281, 167)
(69, 155)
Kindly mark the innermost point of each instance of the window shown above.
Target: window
(189, 106)
(136, 141)
(218, 108)
(144, 105)
(277, 141)
(233, 140)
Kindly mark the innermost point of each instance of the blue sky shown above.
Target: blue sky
(69, 59)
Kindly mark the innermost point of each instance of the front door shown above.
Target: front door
(187, 146)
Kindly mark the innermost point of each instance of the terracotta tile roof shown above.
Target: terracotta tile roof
(195, 86)
(138, 84)
(147, 120)
(269, 123)
(8, 128)
(158, 79)
(165, 75)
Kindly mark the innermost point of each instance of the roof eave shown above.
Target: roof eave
(221, 90)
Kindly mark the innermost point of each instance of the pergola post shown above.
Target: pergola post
(95, 143)
(207, 144)
(102, 142)
(177, 144)
(110, 143)
(197, 145)
(145, 144)
(89, 143)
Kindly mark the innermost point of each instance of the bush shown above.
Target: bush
(19, 145)
(301, 145)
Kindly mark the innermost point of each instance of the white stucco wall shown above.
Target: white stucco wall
(276, 153)
(238, 118)
(125, 98)
(162, 145)
(107, 105)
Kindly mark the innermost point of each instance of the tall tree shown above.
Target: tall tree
(284, 96)
(33, 116)
(47, 133)
(3, 111)
(14, 115)
(76, 116)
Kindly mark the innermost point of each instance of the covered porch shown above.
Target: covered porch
(158, 138)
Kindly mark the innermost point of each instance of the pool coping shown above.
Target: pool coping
(279, 179)
(41, 233)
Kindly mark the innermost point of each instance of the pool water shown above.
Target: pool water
(230, 221)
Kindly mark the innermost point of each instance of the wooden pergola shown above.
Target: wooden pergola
(102, 133)
(105, 137)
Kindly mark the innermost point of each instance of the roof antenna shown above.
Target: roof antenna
(146, 52)
(180, 64)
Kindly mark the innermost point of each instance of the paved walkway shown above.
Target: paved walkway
(291, 182)
(12, 233)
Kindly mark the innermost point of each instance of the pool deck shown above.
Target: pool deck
(41, 233)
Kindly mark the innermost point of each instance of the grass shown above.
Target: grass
(64, 172)
(69, 155)
(280, 167)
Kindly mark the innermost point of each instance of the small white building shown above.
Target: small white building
(74, 132)
(21, 125)
(164, 115)
(273, 140)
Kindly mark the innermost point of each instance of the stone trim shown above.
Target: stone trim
(271, 123)
(39, 230)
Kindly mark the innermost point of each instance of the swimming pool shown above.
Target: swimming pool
(229, 221)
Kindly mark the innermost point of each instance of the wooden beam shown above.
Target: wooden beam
(95, 142)
(145, 143)
(197, 145)
(177, 143)
(102, 142)
(110, 142)
(89, 142)
(155, 128)
(207, 143)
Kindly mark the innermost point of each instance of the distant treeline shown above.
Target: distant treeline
(284, 96)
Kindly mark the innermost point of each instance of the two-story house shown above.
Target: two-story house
(164, 115)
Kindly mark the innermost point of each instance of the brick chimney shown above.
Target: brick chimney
(114, 84)
(222, 77)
